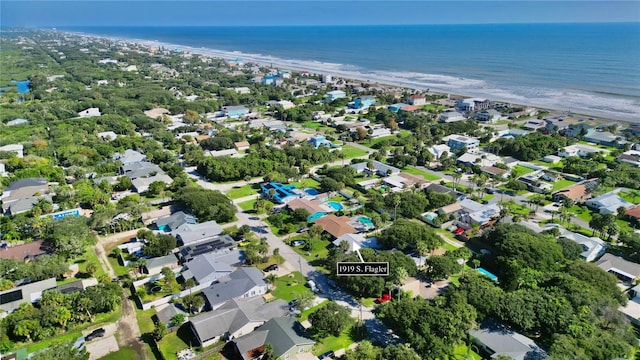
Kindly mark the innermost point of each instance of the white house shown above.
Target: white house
(580, 150)
(608, 203)
(90, 112)
(489, 115)
(438, 150)
(451, 116)
(593, 247)
(16, 148)
(107, 135)
(141, 184)
(416, 100)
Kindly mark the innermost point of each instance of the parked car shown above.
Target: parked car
(312, 286)
(95, 334)
(384, 298)
(328, 355)
(301, 230)
(293, 302)
(298, 243)
(271, 267)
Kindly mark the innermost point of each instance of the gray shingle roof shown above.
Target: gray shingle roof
(191, 233)
(237, 284)
(283, 333)
(176, 219)
(503, 341)
(26, 183)
(140, 169)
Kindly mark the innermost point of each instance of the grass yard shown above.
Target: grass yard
(561, 184)
(350, 151)
(123, 354)
(630, 197)
(290, 286)
(311, 125)
(306, 183)
(581, 212)
(144, 320)
(319, 249)
(424, 174)
(460, 352)
(247, 205)
(346, 338)
(521, 170)
(243, 191)
(176, 341)
(372, 142)
(115, 265)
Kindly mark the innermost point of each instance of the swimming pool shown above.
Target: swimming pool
(335, 205)
(366, 221)
(490, 275)
(315, 216)
(311, 191)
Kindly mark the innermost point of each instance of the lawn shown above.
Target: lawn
(123, 354)
(460, 352)
(630, 197)
(247, 205)
(115, 265)
(561, 184)
(289, 287)
(346, 338)
(176, 341)
(242, 191)
(350, 151)
(521, 170)
(311, 124)
(306, 183)
(581, 212)
(87, 258)
(319, 249)
(424, 174)
(144, 320)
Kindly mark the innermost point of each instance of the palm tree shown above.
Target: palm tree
(396, 202)
(456, 179)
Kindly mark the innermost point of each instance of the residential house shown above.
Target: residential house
(496, 172)
(107, 135)
(632, 309)
(459, 142)
(18, 121)
(26, 251)
(166, 312)
(285, 104)
(15, 148)
(140, 170)
(242, 90)
(354, 241)
(416, 100)
(336, 226)
(21, 195)
(225, 152)
(313, 206)
(443, 217)
(188, 234)
(630, 157)
(532, 180)
(498, 340)
(90, 112)
(489, 115)
(130, 157)
(479, 159)
(474, 104)
(608, 203)
(580, 150)
(235, 318)
(241, 145)
(154, 265)
(512, 133)
(11, 299)
(451, 116)
(77, 286)
(552, 159)
(439, 150)
(379, 131)
(475, 213)
(156, 113)
(141, 185)
(286, 336)
(441, 189)
(624, 270)
(364, 101)
(528, 111)
(410, 108)
(403, 181)
(605, 138)
(205, 269)
(397, 107)
(245, 282)
(634, 213)
(336, 94)
(534, 124)
(577, 192)
(221, 245)
(378, 168)
(369, 183)
(633, 128)
(235, 111)
(174, 221)
(319, 140)
(576, 129)
(280, 193)
(559, 123)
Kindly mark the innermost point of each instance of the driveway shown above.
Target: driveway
(102, 347)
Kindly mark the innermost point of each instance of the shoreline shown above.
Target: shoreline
(433, 82)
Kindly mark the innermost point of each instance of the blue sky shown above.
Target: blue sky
(269, 13)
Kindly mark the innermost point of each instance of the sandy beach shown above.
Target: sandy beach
(604, 111)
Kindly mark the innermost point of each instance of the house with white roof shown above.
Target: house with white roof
(608, 203)
(451, 116)
(107, 135)
(580, 150)
(624, 270)
(498, 340)
(473, 104)
(488, 116)
(130, 156)
(354, 241)
(438, 150)
(205, 269)
(475, 213)
(480, 159)
(459, 142)
(141, 184)
(15, 148)
(632, 309)
(90, 112)
(378, 168)
(593, 247)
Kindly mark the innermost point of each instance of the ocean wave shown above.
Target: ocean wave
(589, 103)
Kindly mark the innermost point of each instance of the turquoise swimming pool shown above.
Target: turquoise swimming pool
(335, 205)
(316, 216)
(490, 275)
(366, 221)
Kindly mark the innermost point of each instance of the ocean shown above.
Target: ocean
(581, 68)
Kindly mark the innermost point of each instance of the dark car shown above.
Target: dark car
(293, 302)
(271, 267)
(328, 355)
(95, 334)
